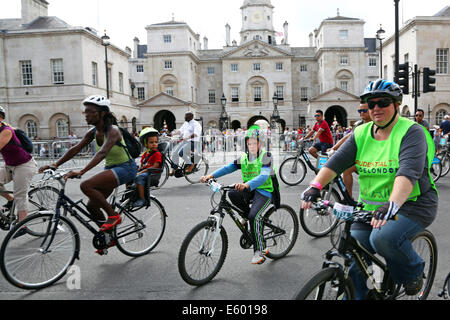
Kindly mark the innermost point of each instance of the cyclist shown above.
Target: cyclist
(20, 168)
(347, 175)
(393, 156)
(256, 167)
(323, 133)
(110, 145)
(151, 159)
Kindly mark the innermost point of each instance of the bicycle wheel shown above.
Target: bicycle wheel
(319, 223)
(445, 162)
(42, 198)
(425, 245)
(292, 171)
(198, 261)
(25, 260)
(436, 170)
(327, 284)
(141, 230)
(164, 176)
(200, 169)
(280, 231)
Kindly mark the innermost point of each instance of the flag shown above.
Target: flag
(279, 34)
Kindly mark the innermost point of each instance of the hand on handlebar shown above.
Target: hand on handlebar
(308, 196)
(383, 214)
(205, 179)
(73, 175)
(241, 186)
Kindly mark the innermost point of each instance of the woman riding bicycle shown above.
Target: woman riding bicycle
(110, 145)
(393, 157)
(256, 167)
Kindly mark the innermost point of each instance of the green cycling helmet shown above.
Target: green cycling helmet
(146, 133)
(253, 132)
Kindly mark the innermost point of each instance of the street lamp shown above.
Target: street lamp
(224, 120)
(106, 43)
(380, 36)
(275, 117)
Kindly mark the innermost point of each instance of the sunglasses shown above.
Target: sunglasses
(363, 110)
(383, 103)
(317, 115)
(418, 115)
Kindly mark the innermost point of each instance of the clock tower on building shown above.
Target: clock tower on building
(257, 21)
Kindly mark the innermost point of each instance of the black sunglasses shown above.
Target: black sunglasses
(317, 115)
(363, 110)
(383, 103)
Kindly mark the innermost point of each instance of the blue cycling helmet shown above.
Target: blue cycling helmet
(383, 88)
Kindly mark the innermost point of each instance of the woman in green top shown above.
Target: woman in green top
(110, 146)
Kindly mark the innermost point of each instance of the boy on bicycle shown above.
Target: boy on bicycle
(150, 159)
(256, 167)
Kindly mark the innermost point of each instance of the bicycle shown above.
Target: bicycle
(201, 167)
(40, 197)
(436, 169)
(334, 283)
(203, 251)
(446, 288)
(444, 157)
(293, 169)
(38, 262)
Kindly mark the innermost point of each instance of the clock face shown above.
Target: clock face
(256, 17)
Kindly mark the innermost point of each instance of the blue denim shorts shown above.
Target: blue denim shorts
(125, 172)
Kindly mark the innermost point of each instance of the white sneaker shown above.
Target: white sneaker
(260, 256)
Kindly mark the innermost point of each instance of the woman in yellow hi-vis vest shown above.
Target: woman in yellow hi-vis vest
(393, 157)
(256, 168)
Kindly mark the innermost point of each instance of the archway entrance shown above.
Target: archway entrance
(336, 113)
(236, 124)
(254, 119)
(167, 117)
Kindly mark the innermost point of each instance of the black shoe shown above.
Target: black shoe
(412, 288)
(23, 231)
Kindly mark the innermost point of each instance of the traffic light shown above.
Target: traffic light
(403, 77)
(428, 80)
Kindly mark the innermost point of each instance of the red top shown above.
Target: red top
(149, 159)
(326, 135)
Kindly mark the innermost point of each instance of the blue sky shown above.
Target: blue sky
(125, 20)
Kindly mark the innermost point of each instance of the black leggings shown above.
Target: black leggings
(241, 199)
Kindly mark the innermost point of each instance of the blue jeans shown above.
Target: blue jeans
(125, 172)
(392, 242)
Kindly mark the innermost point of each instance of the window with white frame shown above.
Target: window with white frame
(121, 82)
(257, 94)
(31, 129)
(167, 38)
(139, 68)
(344, 85)
(234, 94)
(442, 61)
(372, 62)
(169, 90)
(211, 70)
(141, 93)
(344, 60)
(304, 94)
(27, 74)
(257, 67)
(279, 66)
(168, 64)
(94, 74)
(343, 34)
(57, 71)
(280, 92)
(212, 96)
(234, 67)
(304, 68)
(62, 128)
(440, 116)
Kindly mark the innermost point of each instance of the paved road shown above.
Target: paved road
(156, 277)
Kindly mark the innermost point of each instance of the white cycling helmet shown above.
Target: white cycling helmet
(2, 111)
(98, 100)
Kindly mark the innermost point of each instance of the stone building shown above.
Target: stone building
(176, 71)
(48, 67)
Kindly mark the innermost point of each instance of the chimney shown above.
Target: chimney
(32, 9)
(228, 34)
(311, 40)
(286, 32)
(205, 43)
(136, 45)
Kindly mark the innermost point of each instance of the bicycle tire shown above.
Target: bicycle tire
(43, 198)
(329, 276)
(131, 242)
(327, 220)
(430, 265)
(445, 163)
(186, 265)
(164, 176)
(282, 244)
(22, 260)
(436, 170)
(285, 169)
(202, 167)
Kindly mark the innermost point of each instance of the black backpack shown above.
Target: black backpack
(133, 146)
(276, 195)
(25, 141)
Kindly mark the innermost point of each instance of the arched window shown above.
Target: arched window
(440, 116)
(31, 129)
(62, 128)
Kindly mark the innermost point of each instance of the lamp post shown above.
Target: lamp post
(224, 118)
(106, 43)
(380, 36)
(275, 117)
